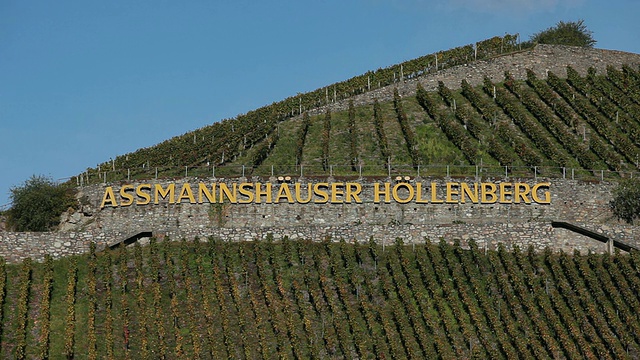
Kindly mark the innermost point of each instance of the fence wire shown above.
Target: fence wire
(349, 172)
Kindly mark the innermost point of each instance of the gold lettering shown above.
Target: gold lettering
(504, 192)
(285, 192)
(299, 195)
(377, 192)
(127, 199)
(260, 193)
(143, 195)
(521, 194)
(547, 194)
(466, 190)
(353, 193)
(317, 189)
(202, 190)
(451, 191)
(245, 192)
(395, 193)
(161, 193)
(109, 198)
(335, 192)
(419, 199)
(434, 194)
(230, 194)
(186, 193)
(488, 189)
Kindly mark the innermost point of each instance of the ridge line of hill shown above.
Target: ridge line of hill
(537, 59)
(223, 142)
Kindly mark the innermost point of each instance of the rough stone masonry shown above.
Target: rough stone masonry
(580, 203)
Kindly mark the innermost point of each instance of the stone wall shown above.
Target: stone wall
(16, 246)
(572, 201)
(540, 59)
(580, 203)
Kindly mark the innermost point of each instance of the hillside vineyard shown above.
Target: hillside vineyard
(454, 206)
(364, 161)
(486, 113)
(307, 300)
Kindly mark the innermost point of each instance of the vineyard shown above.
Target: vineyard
(296, 299)
(299, 299)
(587, 123)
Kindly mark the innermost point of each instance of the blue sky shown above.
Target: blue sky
(85, 81)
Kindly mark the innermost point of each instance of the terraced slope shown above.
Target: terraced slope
(321, 300)
(588, 123)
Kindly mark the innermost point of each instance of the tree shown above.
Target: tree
(38, 203)
(626, 200)
(574, 33)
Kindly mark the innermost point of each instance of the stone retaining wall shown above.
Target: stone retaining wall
(16, 246)
(580, 203)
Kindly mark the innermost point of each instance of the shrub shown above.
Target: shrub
(626, 200)
(38, 203)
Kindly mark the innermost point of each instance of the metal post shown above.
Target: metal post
(128, 174)
(506, 172)
(601, 175)
(186, 171)
(271, 170)
(360, 170)
(572, 174)
(447, 170)
(156, 173)
(418, 170)
(535, 173)
(300, 170)
(331, 170)
(105, 177)
(213, 171)
(564, 172)
(242, 170)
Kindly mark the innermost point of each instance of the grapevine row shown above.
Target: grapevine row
(542, 88)
(530, 127)
(489, 112)
(407, 131)
(378, 121)
(326, 137)
(475, 127)
(610, 111)
(454, 131)
(585, 110)
(538, 109)
(353, 137)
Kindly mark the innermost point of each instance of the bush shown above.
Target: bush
(38, 203)
(626, 200)
(573, 33)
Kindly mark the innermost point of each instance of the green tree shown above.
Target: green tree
(574, 33)
(626, 200)
(38, 203)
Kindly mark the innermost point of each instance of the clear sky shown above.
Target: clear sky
(84, 81)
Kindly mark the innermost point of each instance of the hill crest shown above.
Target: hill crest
(540, 59)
